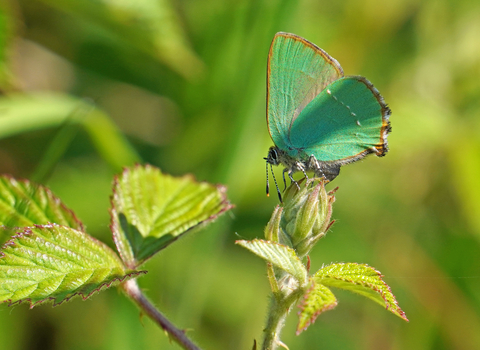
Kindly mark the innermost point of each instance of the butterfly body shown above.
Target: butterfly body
(319, 119)
(304, 164)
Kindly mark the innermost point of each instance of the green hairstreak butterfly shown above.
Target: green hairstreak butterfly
(318, 118)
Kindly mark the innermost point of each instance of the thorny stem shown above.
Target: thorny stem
(133, 291)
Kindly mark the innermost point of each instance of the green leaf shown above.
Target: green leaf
(150, 210)
(316, 300)
(361, 279)
(23, 203)
(56, 263)
(279, 255)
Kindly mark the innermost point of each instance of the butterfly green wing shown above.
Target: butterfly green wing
(345, 122)
(297, 71)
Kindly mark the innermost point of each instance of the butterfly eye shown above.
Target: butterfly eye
(272, 157)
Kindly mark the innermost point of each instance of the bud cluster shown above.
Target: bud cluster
(304, 217)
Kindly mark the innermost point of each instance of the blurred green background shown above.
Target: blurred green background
(90, 86)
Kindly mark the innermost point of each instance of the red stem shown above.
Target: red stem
(133, 291)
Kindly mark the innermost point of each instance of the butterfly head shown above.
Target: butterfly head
(273, 156)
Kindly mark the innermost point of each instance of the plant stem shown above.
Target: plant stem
(133, 291)
(275, 321)
(279, 309)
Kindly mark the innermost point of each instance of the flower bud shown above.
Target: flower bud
(273, 231)
(306, 215)
(273, 226)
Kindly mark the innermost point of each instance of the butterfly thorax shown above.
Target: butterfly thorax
(308, 163)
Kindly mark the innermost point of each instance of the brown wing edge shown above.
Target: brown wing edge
(323, 53)
(381, 148)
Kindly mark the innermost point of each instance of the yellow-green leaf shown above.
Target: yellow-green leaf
(279, 255)
(150, 210)
(361, 279)
(55, 263)
(23, 203)
(316, 300)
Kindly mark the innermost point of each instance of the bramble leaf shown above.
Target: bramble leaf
(279, 255)
(361, 279)
(23, 203)
(55, 263)
(150, 210)
(316, 300)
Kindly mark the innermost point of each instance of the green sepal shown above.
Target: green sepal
(56, 263)
(150, 210)
(361, 279)
(278, 255)
(273, 226)
(316, 300)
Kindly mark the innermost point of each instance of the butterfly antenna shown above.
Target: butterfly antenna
(276, 184)
(266, 170)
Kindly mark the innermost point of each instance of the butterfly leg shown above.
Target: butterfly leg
(315, 166)
(293, 180)
(301, 167)
(285, 181)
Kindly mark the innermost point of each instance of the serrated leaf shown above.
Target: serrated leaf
(150, 210)
(56, 263)
(279, 255)
(361, 279)
(23, 203)
(316, 300)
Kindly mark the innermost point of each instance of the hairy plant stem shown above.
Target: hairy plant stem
(133, 291)
(280, 306)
